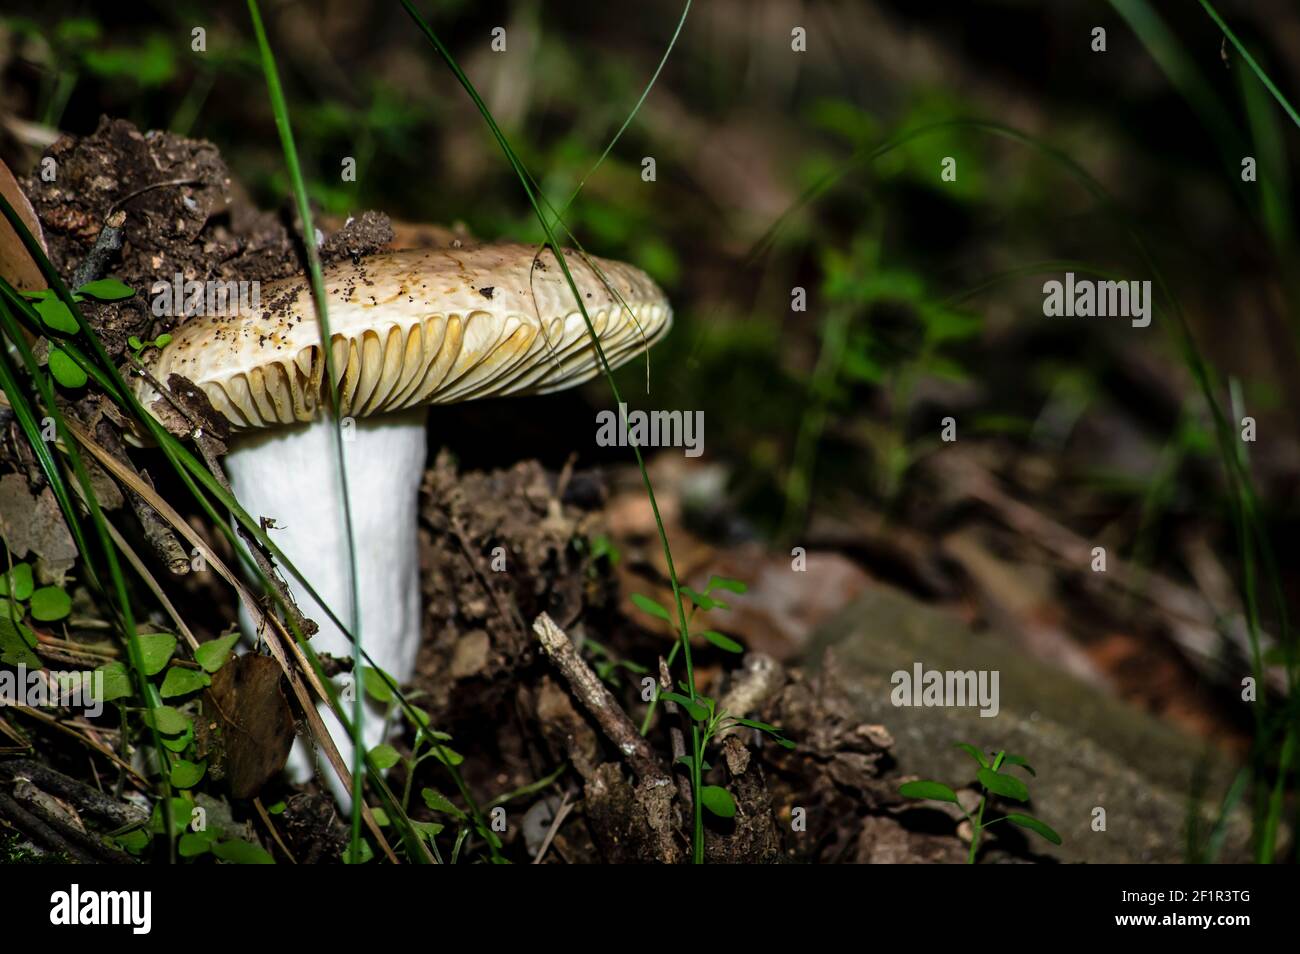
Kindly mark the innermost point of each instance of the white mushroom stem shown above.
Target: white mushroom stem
(291, 475)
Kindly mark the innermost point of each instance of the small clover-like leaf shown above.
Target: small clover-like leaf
(186, 774)
(167, 720)
(384, 756)
(240, 852)
(66, 371)
(50, 603)
(17, 582)
(180, 681)
(106, 289)
(56, 316)
(117, 681)
(155, 650)
(213, 654)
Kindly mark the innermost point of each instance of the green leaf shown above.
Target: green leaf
(427, 829)
(167, 720)
(1007, 786)
(213, 654)
(155, 650)
(66, 371)
(186, 774)
(376, 686)
(448, 757)
(1017, 760)
(974, 753)
(21, 578)
(50, 603)
(1034, 825)
(16, 642)
(56, 316)
(179, 743)
(276, 809)
(647, 605)
(162, 341)
(117, 681)
(440, 803)
(696, 711)
(240, 852)
(193, 844)
(718, 800)
(181, 682)
(182, 810)
(722, 642)
(702, 601)
(923, 788)
(107, 289)
(384, 756)
(763, 727)
(134, 841)
(722, 583)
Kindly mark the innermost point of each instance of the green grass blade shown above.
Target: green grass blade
(282, 125)
(525, 180)
(1250, 61)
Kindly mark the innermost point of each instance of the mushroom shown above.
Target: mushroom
(407, 329)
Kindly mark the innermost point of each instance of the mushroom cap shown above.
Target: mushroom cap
(424, 326)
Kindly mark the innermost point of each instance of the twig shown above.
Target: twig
(561, 813)
(268, 624)
(275, 833)
(211, 459)
(30, 825)
(106, 246)
(675, 737)
(598, 700)
(88, 799)
(29, 797)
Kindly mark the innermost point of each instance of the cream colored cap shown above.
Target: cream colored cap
(425, 326)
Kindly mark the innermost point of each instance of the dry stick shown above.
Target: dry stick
(61, 726)
(34, 827)
(134, 559)
(266, 820)
(203, 442)
(598, 700)
(156, 530)
(510, 613)
(109, 242)
(561, 813)
(88, 799)
(28, 796)
(268, 624)
(675, 736)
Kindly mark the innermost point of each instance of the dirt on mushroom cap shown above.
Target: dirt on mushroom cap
(415, 327)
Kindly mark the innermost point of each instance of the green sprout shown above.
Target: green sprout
(57, 317)
(699, 601)
(21, 598)
(703, 711)
(993, 782)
